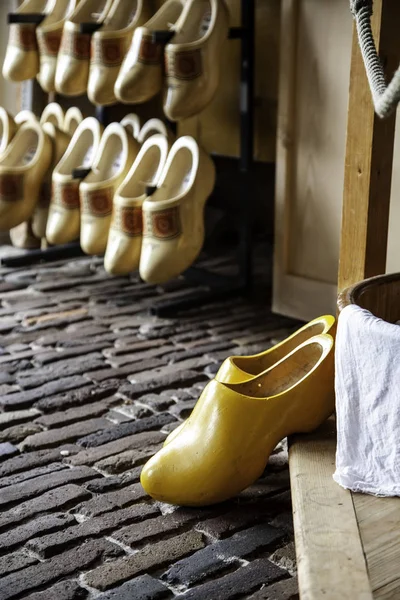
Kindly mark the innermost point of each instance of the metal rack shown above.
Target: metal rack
(219, 286)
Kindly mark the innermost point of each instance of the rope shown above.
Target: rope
(385, 97)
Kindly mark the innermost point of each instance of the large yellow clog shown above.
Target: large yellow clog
(141, 75)
(125, 236)
(173, 217)
(193, 59)
(49, 34)
(22, 57)
(238, 369)
(114, 158)
(233, 429)
(109, 47)
(23, 167)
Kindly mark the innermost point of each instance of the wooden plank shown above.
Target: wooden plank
(330, 557)
(369, 158)
(312, 117)
(379, 525)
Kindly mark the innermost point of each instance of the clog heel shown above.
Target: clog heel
(238, 369)
(114, 158)
(125, 237)
(23, 167)
(64, 220)
(233, 429)
(22, 57)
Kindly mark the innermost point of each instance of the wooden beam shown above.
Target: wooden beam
(330, 559)
(369, 158)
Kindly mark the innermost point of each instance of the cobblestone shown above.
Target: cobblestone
(90, 385)
(35, 576)
(149, 558)
(212, 559)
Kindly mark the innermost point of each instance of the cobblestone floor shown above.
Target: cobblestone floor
(90, 385)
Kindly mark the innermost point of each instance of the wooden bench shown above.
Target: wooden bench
(348, 545)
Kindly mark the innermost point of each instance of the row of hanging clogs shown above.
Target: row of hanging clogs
(140, 204)
(121, 58)
(251, 405)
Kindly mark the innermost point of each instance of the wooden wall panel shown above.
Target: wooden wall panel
(217, 128)
(323, 63)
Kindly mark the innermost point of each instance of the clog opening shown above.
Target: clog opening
(90, 11)
(284, 375)
(168, 14)
(81, 154)
(23, 149)
(180, 175)
(197, 24)
(257, 364)
(144, 173)
(122, 15)
(33, 6)
(112, 155)
(58, 11)
(152, 127)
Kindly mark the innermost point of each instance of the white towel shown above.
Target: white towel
(367, 403)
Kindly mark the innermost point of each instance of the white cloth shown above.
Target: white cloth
(367, 386)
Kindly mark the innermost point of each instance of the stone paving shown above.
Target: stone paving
(90, 385)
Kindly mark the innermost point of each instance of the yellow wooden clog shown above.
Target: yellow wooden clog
(59, 142)
(125, 237)
(152, 127)
(64, 220)
(22, 57)
(141, 75)
(73, 118)
(114, 158)
(23, 167)
(72, 71)
(131, 123)
(49, 34)
(8, 129)
(173, 217)
(233, 429)
(22, 235)
(25, 115)
(238, 369)
(110, 45)
(193, 58)
(53, 113)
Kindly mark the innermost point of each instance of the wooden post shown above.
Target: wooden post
(369, 157)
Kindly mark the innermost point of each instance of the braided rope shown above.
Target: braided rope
(385, 97)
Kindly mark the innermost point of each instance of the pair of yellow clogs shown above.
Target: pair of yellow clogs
(33, 48)
(252, 404)
(158, 212)
(185, 59)
(30, 150)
